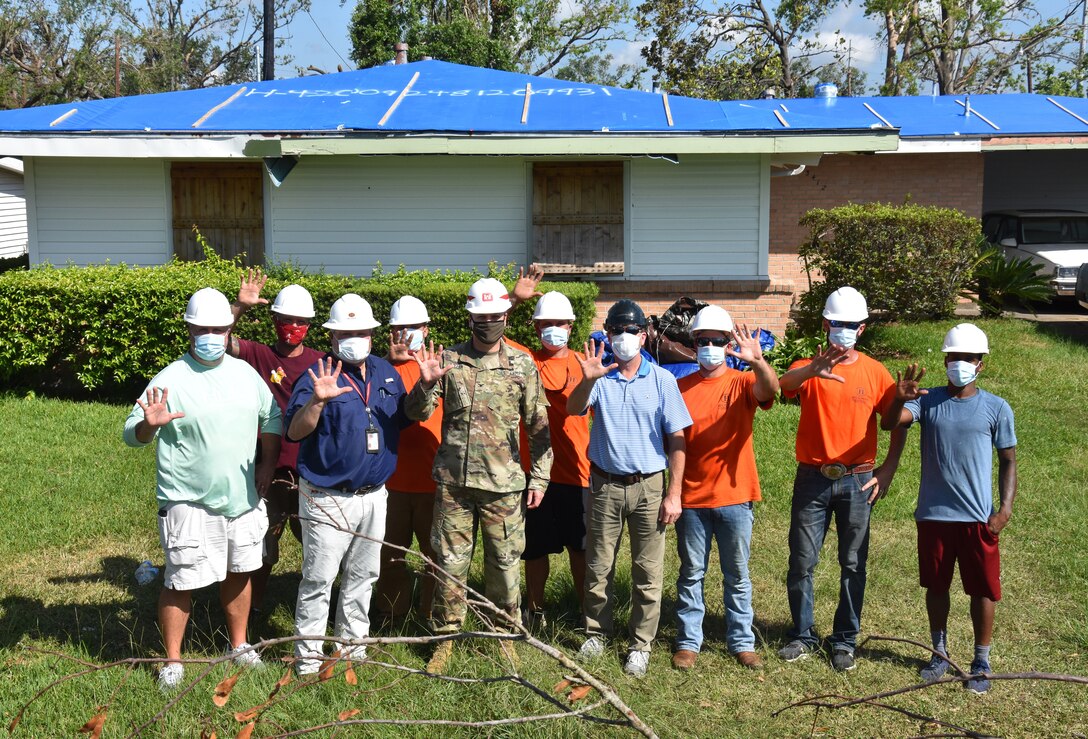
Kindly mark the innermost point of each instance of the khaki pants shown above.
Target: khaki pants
(610, 507)
(407, 514)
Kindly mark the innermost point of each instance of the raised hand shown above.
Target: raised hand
(325, 387)
(826, 359)
(906, 383)
(430, 364)
(398, 345)
(593, 366)
(528, 280)
(748, 348)
(249, 294)
(156, 412)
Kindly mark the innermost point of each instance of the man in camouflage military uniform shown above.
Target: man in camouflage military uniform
(488, 390)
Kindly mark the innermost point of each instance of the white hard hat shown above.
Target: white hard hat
(713, 318)
(408, 311)
(488, 296)
(294, 300)
(210, 308)
(351, 313)
(966, 338)
(553, 306)
(846, 304)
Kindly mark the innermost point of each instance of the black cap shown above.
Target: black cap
(624, 313)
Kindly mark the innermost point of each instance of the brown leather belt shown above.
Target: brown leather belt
(838, 470)
(633, 478)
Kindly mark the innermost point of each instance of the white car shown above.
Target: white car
(1055, 239)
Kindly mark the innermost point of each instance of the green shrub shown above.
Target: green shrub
(910, 262)
(998, 281)
(9, 263)
(110, 328)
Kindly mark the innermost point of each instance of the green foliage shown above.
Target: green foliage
(999, 281)
(20, 262)
(792, 346)
(110, 328)
(910, 262)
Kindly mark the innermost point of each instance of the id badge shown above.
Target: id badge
(373, 442)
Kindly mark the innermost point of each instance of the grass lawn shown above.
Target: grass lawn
(79, 515)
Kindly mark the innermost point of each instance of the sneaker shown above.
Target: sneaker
(436, 665)
(592, 648)
(637, 664)
(684, 659)
(978, 682)
(244, 655)
(843, 660)
(935, 670)
(170, 676)
(534, 620)
(795, 650)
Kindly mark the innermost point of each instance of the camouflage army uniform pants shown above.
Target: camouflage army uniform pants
(500, 517)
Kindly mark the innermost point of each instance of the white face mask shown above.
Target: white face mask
(625, 346)
(414, 339)
(961, 374)
(710, 357)
(555, 336)
(844, 337)
(354, 350)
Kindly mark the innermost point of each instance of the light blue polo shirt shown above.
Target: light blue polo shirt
(631, 419)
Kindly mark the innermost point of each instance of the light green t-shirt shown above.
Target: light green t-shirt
(208, 456)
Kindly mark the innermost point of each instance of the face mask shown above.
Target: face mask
(354, 350)
(710, 357)
(290, 333)
(844, 337)
(625, 346)
(490, 332)
(414, 339)
(210, 347)
(556, 336)
(961, 374)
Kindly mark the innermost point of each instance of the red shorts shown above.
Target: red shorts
(941, 543)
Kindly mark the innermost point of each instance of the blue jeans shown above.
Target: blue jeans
(731, 527)
(815, 500)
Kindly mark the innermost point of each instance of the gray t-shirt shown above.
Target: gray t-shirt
(958, 439)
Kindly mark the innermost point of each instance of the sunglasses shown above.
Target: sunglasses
(632, 329)
(707, 341)
(844, 324)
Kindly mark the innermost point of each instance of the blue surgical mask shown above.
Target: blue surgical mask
(210, 347)
(961, 374)
(556, 336)
(414, 339)
(844, 337)
(710, 357)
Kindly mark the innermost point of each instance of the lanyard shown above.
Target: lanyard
(365, 398)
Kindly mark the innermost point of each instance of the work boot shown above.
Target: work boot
(684, 659)
(750, 660)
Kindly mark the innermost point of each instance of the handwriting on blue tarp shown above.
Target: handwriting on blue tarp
(370, 92)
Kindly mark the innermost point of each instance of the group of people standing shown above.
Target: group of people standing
(358, 454)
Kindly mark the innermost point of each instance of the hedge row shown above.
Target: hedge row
(110, 328)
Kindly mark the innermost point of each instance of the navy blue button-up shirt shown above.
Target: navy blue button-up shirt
(334, 454)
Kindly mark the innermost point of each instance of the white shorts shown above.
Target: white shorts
(201, 546)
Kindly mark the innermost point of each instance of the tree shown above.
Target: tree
(532, 36)
(736, 50)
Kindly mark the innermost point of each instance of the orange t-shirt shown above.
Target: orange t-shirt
(570, 434)
(838, 419)
(720, 466)
(418, 443)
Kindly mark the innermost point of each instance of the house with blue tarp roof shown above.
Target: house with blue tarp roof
(437, 165)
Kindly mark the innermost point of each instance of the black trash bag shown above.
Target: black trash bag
(668, 336)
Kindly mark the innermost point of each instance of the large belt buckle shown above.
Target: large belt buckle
(834, 471)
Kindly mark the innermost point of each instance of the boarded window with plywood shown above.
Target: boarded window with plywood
(578, 217)
(226, 202)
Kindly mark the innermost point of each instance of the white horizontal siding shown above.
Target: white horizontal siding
(697, 218)
(12, 215)
(91, 210)
(344, 214)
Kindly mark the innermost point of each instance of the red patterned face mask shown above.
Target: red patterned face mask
(291, 333)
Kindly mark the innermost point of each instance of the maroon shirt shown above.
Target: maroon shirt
(279, 373)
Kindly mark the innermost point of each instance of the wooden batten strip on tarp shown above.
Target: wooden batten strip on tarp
(237, 94)
(882, 118)
(525, 105)
(1052, 100)
(984, 119)
(64, 117)
(399, 98)
(665, 102)
(781, 119)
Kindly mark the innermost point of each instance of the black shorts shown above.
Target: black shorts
(558, 523)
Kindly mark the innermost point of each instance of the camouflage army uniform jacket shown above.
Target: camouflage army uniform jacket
(485, 399)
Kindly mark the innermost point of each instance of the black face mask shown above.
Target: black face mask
(488, 333)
